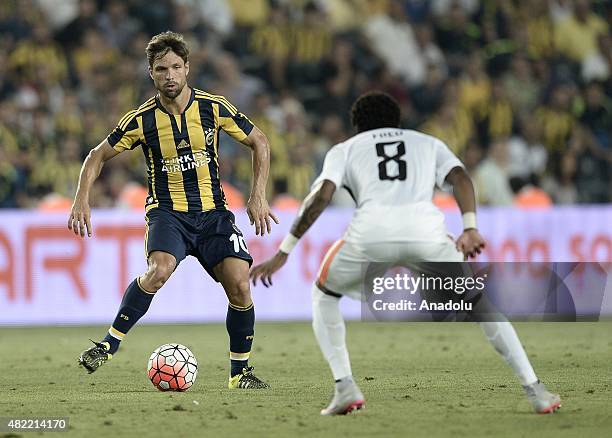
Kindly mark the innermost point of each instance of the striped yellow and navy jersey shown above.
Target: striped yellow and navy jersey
(181, 150)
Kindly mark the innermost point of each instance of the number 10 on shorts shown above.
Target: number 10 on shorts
(238, 242)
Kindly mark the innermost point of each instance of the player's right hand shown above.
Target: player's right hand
(80, 218)
(267, 268)
(470, 243)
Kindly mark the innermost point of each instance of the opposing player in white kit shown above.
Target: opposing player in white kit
(391, 174)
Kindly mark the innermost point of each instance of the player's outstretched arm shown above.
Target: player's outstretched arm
(80, 214)
(257, 206)
(311, 209)
(470, 243)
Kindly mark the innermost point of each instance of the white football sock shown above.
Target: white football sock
(504, 339)
(329, 329)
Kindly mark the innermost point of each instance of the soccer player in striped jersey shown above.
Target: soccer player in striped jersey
(186, 212)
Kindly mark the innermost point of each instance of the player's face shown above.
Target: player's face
(169, 74)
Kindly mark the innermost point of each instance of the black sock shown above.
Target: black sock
(239, 323)
(134, 305)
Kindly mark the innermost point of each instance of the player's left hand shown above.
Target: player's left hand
(259, 213)
(470, 243)
(265, 270)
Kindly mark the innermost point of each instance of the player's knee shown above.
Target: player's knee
(162, 272)
(239, 293)
(158, 273)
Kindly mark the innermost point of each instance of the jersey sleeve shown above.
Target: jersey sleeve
(445, 162)
(236, 124)
(334, 167)
(126, 136)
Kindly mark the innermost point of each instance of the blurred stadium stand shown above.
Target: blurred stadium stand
(520, 90)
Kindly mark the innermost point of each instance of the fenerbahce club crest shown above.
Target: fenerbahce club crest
(210, 136)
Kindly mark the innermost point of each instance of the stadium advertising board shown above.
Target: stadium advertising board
(47, 275)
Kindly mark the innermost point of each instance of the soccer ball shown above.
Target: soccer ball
(172, 367)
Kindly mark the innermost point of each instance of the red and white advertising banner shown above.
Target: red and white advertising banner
(50, 276)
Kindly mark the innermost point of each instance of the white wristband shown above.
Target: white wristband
(288, 243)
(469, 220)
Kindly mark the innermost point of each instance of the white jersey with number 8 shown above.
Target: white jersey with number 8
(391, 174)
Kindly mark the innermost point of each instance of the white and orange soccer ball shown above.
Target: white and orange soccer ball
(172, 367)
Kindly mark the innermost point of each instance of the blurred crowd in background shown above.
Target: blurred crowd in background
(520, 90)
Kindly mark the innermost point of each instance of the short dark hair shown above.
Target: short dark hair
(163, 42)
(375, 110)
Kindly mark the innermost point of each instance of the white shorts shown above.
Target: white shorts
(343, 269)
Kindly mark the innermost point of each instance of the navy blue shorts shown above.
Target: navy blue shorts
(209, 236)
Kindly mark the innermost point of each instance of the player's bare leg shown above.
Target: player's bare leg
(135, 303)
(330, 331)
(504, 339)
(233, 273)
(160, 266)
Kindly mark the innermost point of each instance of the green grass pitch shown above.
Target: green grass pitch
(420, 379)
